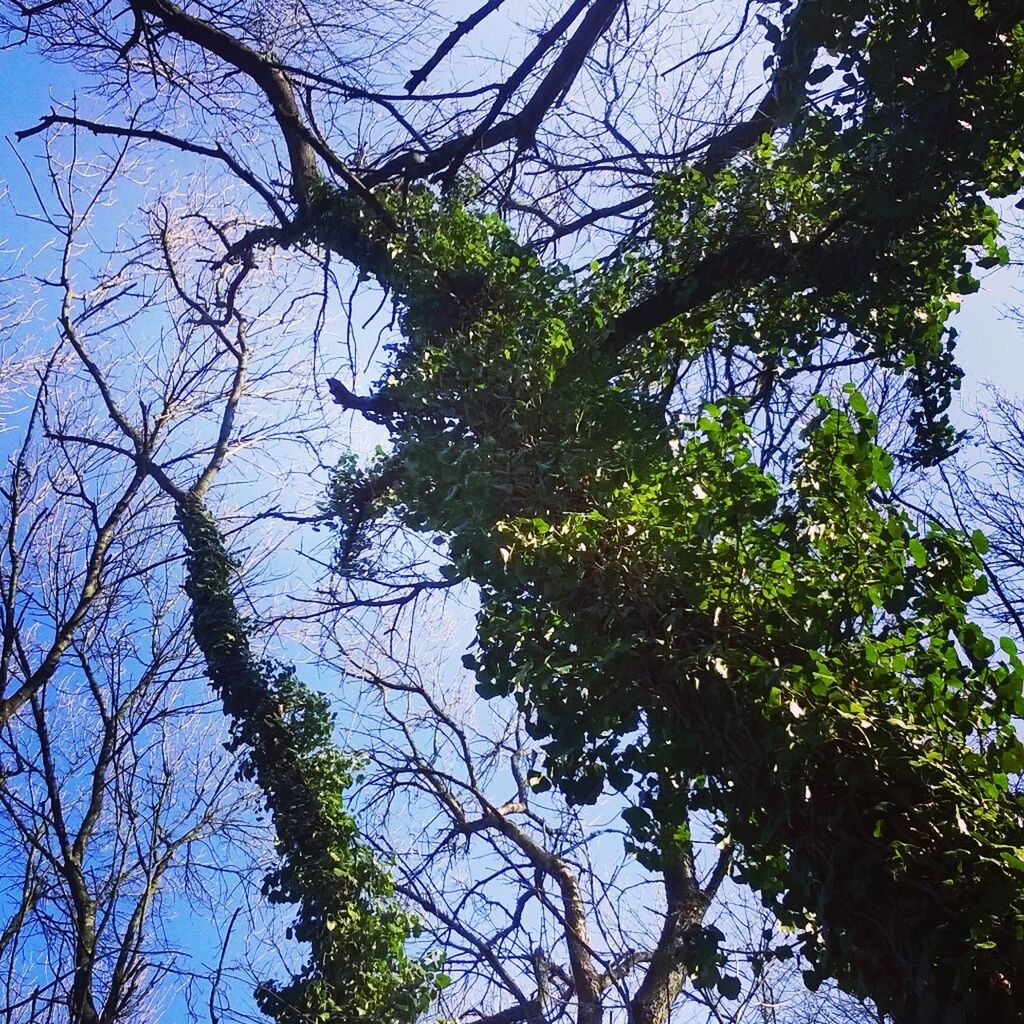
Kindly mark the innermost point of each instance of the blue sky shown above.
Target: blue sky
(991, 346)
(26, 85)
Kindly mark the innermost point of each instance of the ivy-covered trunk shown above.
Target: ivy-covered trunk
(345, 911)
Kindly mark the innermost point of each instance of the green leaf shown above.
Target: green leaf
(637, 818)
(881, 476)
(918, 553)
(729, 986)
(1012, 760)
(958, 58)
(858, 403)
(812, 980)
(1014, 857)
(772, 31)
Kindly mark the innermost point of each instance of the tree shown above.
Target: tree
(681, 614)
(527, 894)
(115, 787)
(106, 812)
(979, 492)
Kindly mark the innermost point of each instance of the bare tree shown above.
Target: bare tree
(120, 806)
(544, 910)
(116, 787)
(331, 81)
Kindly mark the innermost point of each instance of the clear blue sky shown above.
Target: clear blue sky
(991, 346)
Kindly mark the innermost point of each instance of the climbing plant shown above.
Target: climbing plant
(346, 913)
(662, 606)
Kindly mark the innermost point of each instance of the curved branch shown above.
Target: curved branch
(273, 82)
(130, 132)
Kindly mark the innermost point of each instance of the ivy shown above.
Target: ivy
(662, 607)
(345, 906)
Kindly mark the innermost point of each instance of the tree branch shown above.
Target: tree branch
(149, 135)
(521, 127)
(462, 29)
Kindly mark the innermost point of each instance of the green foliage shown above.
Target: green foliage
(345, 908)
(792, 652)
(808, 660)
(866, 222)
